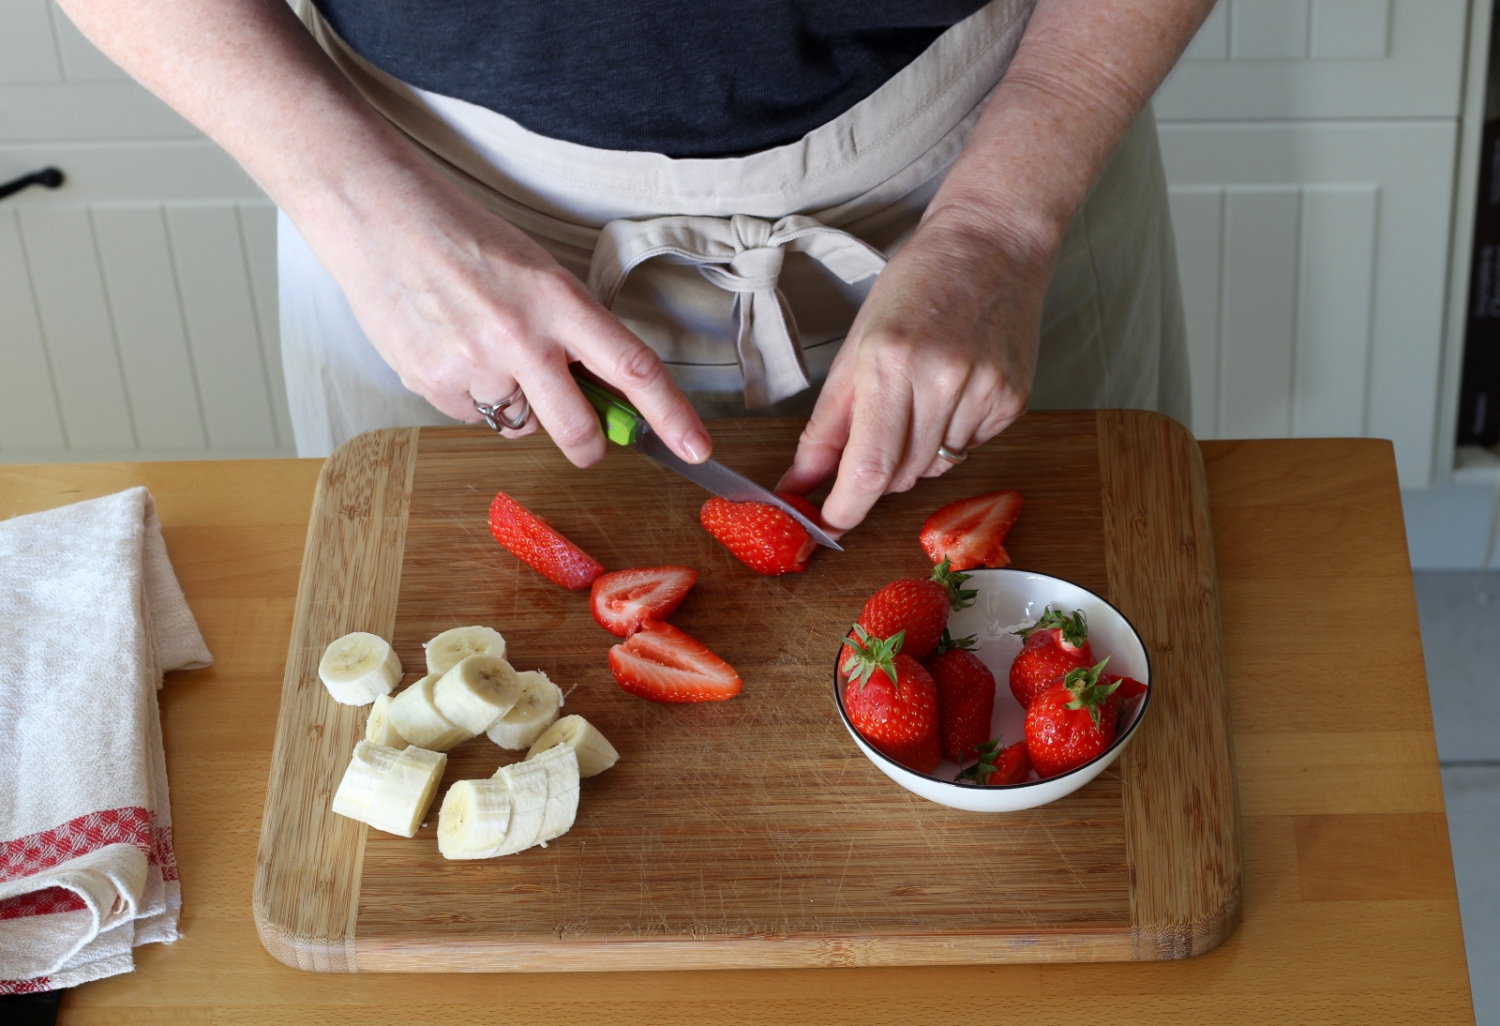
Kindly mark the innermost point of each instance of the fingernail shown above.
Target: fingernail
(697, 447)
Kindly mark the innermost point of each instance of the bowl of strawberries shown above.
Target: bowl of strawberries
(991, 690)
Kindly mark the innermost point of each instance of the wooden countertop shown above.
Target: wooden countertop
(1350, 909)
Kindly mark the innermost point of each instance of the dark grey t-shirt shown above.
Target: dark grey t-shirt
(688, 78)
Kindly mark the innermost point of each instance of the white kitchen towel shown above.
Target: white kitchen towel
(91, 616)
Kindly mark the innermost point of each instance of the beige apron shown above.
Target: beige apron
(744, 273)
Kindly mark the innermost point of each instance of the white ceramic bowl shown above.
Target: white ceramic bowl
(1007, 599)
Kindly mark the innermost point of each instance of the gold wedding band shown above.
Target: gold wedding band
(951, 456)
(495, 414)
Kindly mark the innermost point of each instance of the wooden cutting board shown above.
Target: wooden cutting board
(750, 833)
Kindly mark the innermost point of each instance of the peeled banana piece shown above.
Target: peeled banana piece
(358, 668)
(415, 715)
(561, 767)
(387, 789)
(474, 819)
(528, 805)
(476, 692)
(452, 647)
(535, 710)
(595, 754)
(378, 729)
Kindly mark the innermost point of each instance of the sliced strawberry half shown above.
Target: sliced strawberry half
(971, 532)
(663, 664)
(764, 538)
(537, 544)
(624, 600)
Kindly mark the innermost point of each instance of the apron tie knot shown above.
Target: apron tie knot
(742, 255)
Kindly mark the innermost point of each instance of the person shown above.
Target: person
(941, 212)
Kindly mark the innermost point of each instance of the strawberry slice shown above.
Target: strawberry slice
(624, 600)
(1129, 687)
(763, 537)
(537, 544)
(663, 664)
(970, 532)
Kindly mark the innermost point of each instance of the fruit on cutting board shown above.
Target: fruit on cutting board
(624, 600)
(965, 696)
(415, 716)
(537, 544)
(1055, 645)
(378, 728)
(917, 608)
(664, 664)
(389, 789)
(524, 804)
(358, 668)
(453, 646)
(891, 700)
(998, 764)
(764, 538)
(971, 532)
(595, 753)
(535, 710)
(1073, 721)
(477, 692)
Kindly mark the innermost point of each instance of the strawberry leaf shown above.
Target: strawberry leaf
(947, 643)
(870, 653)
(1088, 690)
(958, 597)
(1074, 628)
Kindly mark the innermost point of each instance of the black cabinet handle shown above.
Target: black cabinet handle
(49, 177)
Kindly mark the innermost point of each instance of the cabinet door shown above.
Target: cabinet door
(1314, 268)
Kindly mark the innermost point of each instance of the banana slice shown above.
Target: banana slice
(561, 766)
(533, 713)
(450, 648)
(406, 791)
(378, 729)
(474, 818)
(358, 668)
(528, 805)
(415, 716)
(477, 692)
(595, 754)
(361, 781)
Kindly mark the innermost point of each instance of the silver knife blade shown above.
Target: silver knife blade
(725, 483)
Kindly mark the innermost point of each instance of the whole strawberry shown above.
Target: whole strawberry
(917, 607)
(764, 538)
(965, 697)
(892, 701)
(1055, 644)
(1072, 722)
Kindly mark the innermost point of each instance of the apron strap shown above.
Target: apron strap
(742, 255)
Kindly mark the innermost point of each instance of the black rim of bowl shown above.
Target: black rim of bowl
(1120, 738)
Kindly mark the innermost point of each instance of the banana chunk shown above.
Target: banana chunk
(358, 668)
(595, 754)
(533, 713)
(474, 819)
(561, 766)
(378, 728)
(528, 805)
(452, 647)
(387, 789)
(415, 716)
(477, 691)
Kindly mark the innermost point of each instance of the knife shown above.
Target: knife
(624, 425)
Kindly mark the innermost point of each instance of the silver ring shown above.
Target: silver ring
(951, 456)
(494, 414)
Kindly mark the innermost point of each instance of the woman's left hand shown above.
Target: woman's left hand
(943, 352)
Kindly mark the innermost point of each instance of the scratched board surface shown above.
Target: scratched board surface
(753, 832)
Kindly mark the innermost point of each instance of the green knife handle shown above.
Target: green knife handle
(621, 421)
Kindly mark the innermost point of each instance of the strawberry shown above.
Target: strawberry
(1072, 722)
(1054, 645)
(892, 701)
(965, 697)
(917, 607)
(1129, 686)
(663, 664)
(970, 532)
(536, 543)
(998, 766)
(762, 537)
(624, 600)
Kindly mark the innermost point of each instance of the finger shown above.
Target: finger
(558, 405)
(877, 442)
(822, 441)
(932, 412)
(613, 352)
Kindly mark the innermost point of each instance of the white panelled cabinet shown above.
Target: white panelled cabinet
(1311, 149)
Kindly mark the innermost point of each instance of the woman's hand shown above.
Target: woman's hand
(943, 352)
